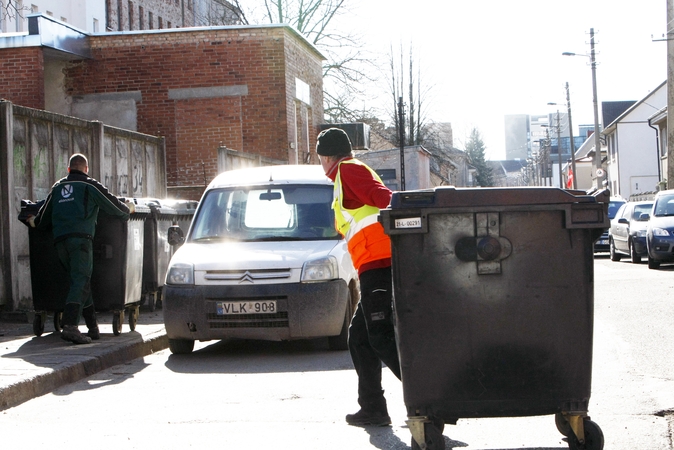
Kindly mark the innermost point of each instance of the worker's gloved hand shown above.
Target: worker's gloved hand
(31, 221)
(131, 205)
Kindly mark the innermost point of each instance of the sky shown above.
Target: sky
(484, 59)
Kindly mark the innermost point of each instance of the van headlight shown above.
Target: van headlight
(322, 269)
(660, 232)
(181, 274)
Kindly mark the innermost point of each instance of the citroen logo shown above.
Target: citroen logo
(67, 191)
(246, 278)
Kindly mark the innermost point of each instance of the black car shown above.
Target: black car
(601, 245)
(627, 235)
(660, 231)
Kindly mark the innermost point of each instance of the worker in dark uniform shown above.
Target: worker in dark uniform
(71, 210)
(358, 196)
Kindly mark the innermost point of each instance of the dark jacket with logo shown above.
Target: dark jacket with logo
(71, 208)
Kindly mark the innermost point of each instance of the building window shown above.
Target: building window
(120, 25)
(141, 18)
(150, 21)
(34, 9)
(19, 20)
(95, 30)
(160, 22)
(189, 5)
(64, 20)
(168, 24)
(130, 16)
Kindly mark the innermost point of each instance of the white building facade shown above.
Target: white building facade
(633, 156)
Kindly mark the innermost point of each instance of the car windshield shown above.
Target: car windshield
(301, 212)
(644, 208)
(613, 207)
(664, 206)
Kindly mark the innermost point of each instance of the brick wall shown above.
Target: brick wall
(178, 74)
(22, 76)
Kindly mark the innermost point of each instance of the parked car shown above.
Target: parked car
(261, 260)
(602, 244)
(660, 231)
(627, 235)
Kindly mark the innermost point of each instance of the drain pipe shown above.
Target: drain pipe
(657, 149)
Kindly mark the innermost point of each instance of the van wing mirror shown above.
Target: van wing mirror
(175, 235)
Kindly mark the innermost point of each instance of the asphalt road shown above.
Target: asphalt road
(254, 395)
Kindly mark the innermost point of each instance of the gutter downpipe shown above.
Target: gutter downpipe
(657, 149)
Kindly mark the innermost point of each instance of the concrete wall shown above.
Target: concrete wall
(417, 166)
(34, 150)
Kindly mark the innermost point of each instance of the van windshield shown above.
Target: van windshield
(262, 213)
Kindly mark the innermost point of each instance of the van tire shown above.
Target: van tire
(181, 346)
(341, 341)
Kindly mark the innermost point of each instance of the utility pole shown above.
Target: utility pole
(597, 139)
(571, 143)
(559, 152)
(401, 128)
(670, 95)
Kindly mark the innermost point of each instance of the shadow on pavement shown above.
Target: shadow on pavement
(251, 356)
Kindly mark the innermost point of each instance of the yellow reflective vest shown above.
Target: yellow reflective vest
(364, 235)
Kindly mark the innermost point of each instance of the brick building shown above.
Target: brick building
(255, 89)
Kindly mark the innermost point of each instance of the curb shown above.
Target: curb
(37, 386)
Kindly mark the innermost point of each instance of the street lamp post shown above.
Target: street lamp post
(559, 147)
(597, 139)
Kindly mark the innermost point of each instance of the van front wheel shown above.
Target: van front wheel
(181, 346)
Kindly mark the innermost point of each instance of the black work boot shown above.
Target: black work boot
(72, 333)
(89, 314)
(366, 417)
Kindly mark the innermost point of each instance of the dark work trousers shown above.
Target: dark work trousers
(76, 255)
(372, 337)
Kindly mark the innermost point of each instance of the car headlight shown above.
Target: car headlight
(640, 233)
(660, 232)
(180, 273)
(322, 269)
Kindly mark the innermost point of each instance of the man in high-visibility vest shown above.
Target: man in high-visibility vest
(358, 196)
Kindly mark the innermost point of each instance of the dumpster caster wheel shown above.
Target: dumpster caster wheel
(563, 425)
(434, 440)
(117, 321)
(58, 317)
(38, 324)
(594, 438)
(181, 346)
(133, 317)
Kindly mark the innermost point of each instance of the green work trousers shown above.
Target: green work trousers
(76, 255)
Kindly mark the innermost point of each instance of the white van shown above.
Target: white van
(262, 260)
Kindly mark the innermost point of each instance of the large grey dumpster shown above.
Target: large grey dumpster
(116, 281)
(157, 252)
(493, 296)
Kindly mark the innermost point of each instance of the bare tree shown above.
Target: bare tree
(347, 66)
(415, 123)
(12, 10)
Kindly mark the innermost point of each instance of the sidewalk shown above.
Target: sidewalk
(32, 366)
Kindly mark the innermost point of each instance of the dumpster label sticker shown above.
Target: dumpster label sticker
(136, 240)
(411, 222)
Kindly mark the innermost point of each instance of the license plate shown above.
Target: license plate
(603, 242)
(248, 307)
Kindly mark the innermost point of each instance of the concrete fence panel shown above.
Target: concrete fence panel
(35, 146)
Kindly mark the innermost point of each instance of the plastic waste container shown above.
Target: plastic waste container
(157, 252)
(493, 298)
(116, 281)
(48, 278)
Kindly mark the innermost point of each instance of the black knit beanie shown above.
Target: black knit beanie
(333, 142)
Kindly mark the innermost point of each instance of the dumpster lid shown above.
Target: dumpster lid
(449, 196)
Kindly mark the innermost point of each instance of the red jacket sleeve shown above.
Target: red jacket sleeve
(360, 188)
